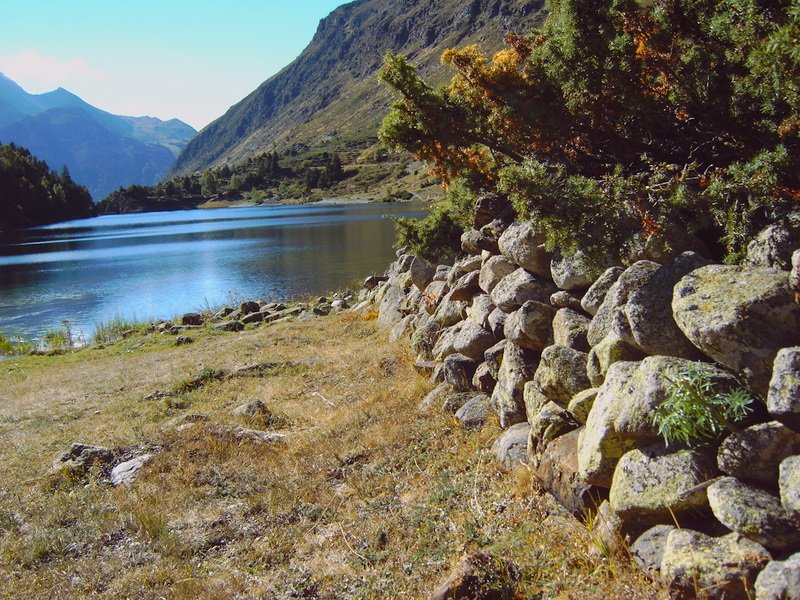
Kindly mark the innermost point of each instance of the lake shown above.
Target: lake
(159, 265)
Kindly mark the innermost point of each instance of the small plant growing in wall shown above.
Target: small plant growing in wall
(695, 411)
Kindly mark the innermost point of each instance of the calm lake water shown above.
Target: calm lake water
(159, 265)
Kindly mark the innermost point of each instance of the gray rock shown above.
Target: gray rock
(596, 294)
(126, 472)
(475, 412)
(453, 402)
(245, 308)
(610, 350)
(442, 272)
(494, 357)
(445, 343)
(780, 580)
(410, 304)
(724, 567)
(649, 310)
(789, 482)
(193, 318)
(738, 316)
(531, 326)
(255, 409)
(497, 322)
(573, 272)
(562, 299)
(471, 242)
(561, 374)
(773, 246)
(524, 246)
(462, 267)
(511, 448)
(648, 549)
(424, 339)
(435, 397)
(794, 274)
(458, 371)
(480, 309)
(473, 340)
(493, 270)
(373, 281)
(570, 329)
(653, 484)
(449, 312)
(783, 398)
(621, 418)
(403, 328)
(489, 240)
(518, 287)
(753, 454)
(183, 340)
(81, 458)
(466, 287)
(182, 420)
(549, 423)
(518, 366)
(256, 436)
(581, 404)
(534, 399)
(483, 380)
(389, 312)
(755, 514)
(633, 278)
(433, 295)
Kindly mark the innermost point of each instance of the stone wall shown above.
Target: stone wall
(574, 358)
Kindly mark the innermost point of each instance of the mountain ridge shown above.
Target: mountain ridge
(331, 91)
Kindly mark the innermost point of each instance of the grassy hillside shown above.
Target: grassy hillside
(366, 498)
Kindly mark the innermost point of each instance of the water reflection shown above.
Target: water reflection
(157, 265)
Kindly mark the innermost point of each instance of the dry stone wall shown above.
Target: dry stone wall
(577, 358)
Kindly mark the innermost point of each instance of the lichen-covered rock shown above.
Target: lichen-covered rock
(652, 484)
(556, 468)
(562, 299)
(780, 580)
(511, 448)
(535, 400)
(610, 350)
(738, 316)
(755, 514)
(518, 366)
(466, 287)
(480, 309)
(783, 398)
(483, 380)
(493, 270)
(581, 404)
(773, 245)
(570, 329)
(458, 371)
(649, 310)
(473, 340)
(621, 418)
(494, 357)
(593, 298)
(573, 272)
(389, 312)
(446, 340)
(519, 287)
(455, 401)
(531, 326)
(422, 272)
(723, 567)
(550, 422)
(497, 322)
(424, 339)
(789, 483)
(462, 267)
(524, 246)
(753, 454)
(471, 242)
(475, 412)
(648, 549)
(561, 374)
(449, 312)
(633, 278)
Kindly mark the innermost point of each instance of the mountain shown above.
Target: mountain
(330, 92)
(102, 151)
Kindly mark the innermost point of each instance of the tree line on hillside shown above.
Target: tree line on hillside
(258, 178)
(619, 123)
(31, 193)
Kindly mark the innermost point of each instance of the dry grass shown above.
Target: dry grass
(368, 499)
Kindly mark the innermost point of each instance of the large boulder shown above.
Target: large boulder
(593, 298)
(621, 418)
(570, 329)
(497, 322)
(466, 287)
(783, 398)
(557, 469)
(755, 514)
(518, 366)
(531, 326)
(575, 272)
(780, 580)
(525, 246)
(473, 340)
(561, 374)
(450, 311)
(653, 484)
(518, 287)
(738, 316)
(562, 299)
(389, 312)
(725, 568)
(649, 310)
(611, 310)
(580, 405)
(493, 270)
(423, 339)
(754, 454)
(610, 350)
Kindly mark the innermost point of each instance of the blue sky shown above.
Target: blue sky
(191, 60)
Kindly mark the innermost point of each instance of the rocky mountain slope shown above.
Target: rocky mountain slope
(103, 151)
(331, 92)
